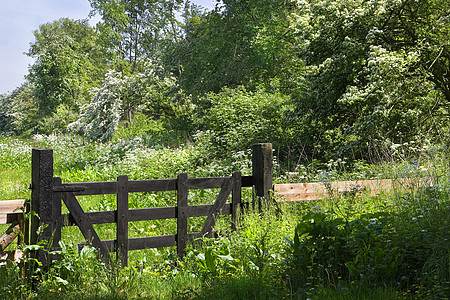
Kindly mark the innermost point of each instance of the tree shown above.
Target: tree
(151, 94)
(18, 113)
(135, 30)
(376, 71)
(240, 43)
(100, 118)
(68, 62)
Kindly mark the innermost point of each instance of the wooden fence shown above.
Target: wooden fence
(49, 192)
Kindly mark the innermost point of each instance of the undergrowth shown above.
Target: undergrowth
(392, 246)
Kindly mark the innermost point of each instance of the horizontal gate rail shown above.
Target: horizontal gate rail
(144, 186)
(144, 214)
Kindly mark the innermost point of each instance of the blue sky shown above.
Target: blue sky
(18, 20)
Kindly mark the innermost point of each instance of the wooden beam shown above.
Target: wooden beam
(262, 169)
(215, 209)
(122, 220)
(8, 237)
(85, 225)
(10, 207)
(182, 218)
(321, 190)
(41, 199)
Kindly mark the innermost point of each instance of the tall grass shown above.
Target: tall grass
(392, 246)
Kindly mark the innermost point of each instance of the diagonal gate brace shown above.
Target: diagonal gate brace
(215, 209)
(85, 225)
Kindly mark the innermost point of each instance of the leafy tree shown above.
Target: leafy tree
(68, 61)
(100, 118)
(151, 94)
(18, 113)
(376, 71)
(238, 118)
(240, 43)
(133, 30)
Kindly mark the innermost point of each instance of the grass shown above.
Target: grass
(393, 246)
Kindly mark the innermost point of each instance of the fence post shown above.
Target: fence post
(182, 202)
(122, 219)
(41, 197)
(262, 169)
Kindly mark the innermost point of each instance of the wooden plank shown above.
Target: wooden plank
(8, 237)
(206, 183)
(10, 207)
(155, 213)
(147, 186)
(122, 220)
(41, 198)
(97, 217)
(204, 210)
(318, 190)
(216, 207)
(300, 191)
(88, 188)
(56, 213)
(144, 214)
(110, 187)
(235, 198)
(159, 241)
(153, 242)
(182, 203)
(85, 225)
(147, 242)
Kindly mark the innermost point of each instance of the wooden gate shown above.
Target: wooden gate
(122, 216)
(49, 192)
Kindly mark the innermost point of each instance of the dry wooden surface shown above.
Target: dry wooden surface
(321, 190)
(9, 207)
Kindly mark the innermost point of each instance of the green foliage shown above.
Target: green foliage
(99, 119)
(151, 94)
(233, 120)
(68, 63)
(133, 31)
(343, 248)
(58, 121)
(18, 111)
(369, 82)
(239, 43)
(371, 249)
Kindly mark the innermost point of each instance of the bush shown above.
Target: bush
(235, 119)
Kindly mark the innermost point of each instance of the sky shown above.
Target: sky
(18, 20)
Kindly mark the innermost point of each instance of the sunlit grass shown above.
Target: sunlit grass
(254, 262)
(14, 184)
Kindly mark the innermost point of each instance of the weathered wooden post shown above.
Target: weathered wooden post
(262, 169)
(182, 219)
(41, 198)
(122, 220)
